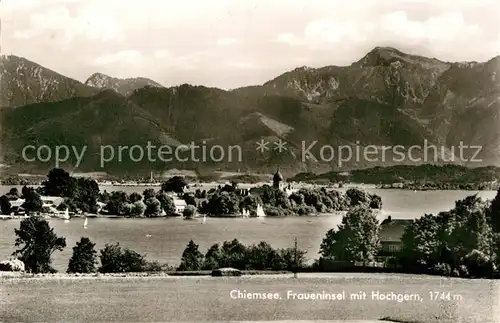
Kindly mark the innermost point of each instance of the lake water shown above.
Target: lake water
(164, 239)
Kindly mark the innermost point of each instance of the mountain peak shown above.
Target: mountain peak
(385, 56)
(25, 82)
(98, 80)
(382, 56)
(123, 86)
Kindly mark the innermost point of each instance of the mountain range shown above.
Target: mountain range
(386, 98)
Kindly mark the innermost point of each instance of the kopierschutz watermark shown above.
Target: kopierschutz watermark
(234, 153)
(372, 153)
(135, 153)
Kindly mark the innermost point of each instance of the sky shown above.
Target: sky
(228, 44)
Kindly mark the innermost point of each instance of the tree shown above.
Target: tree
(222, 203)
(290, 259)
(468, 228)
(148, 193)
(420, 242)
(132, 261)
(450, 239)
(134, 197)
(33, 201)
(58, 183)
(261, 257)
(189, 212)
(192, 258)
(190, 199)
(356, 197)
(174, 184)
(104, 197)
(115, 260)
(24, 191)
(85, 193)
(250, 202)
(14, 192)
(213, 258)
(494, 213)
(167, 203)
(117, 203)
(375, 201)
(356, 238)
(153, 207)
(234, 254)
(138, 209)
(479, 264)
(111, 259)
(5, 206)
(275, 197)
(84, 258)
(38, 242)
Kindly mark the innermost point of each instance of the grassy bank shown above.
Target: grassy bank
(204, 298)
(20, 275)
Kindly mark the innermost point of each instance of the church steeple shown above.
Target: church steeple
(277, 179)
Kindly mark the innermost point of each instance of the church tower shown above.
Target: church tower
(278, 180)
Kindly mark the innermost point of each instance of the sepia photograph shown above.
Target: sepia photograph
(250, 161)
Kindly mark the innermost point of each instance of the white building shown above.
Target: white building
(16, 203)
(51, 201)
(180, 205)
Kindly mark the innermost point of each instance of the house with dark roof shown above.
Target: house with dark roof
(390, 234)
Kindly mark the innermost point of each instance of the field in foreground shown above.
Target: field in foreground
(208, 299)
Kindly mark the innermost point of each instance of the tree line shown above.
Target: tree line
(83, 195)
(463, 242)
(37, 242)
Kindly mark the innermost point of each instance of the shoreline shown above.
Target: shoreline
(304, 185)
(17, 276)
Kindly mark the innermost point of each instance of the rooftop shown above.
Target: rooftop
(391, 230)
(51, 198)
(179, 202)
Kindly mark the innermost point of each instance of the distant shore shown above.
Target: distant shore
(202, 186)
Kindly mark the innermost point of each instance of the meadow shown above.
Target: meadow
(195, 299)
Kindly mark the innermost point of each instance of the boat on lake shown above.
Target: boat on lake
(260, 211)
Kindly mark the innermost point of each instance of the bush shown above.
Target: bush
(441, 269)
(155, 266)
(478, 264)
(276, 211)
(189, 211)
(12, 265)
(225, 272)
(115, 260)
(234, 254)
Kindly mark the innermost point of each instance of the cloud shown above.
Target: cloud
(252, 42)
(126, 57)
(227, 41)
(162, 53)
(327, 31)
(446, 27)
(241, 65)
(93, 25)
(289, 39)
